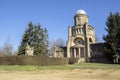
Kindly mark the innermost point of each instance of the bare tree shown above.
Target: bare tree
(1, 52)
(7, 48)
(57, 43)
(97, 39)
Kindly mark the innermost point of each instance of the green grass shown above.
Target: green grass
(30, 68)
(97, 66)
(66, 67)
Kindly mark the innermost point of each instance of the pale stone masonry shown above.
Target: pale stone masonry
(29, 51)
(80, 36)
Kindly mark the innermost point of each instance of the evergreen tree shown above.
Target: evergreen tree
(111, 39)
(36, 37)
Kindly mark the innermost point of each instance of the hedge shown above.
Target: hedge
(36, 60)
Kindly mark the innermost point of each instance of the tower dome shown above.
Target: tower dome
(81, 12)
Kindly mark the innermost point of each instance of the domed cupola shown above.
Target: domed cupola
(81, 12)
(80, 17)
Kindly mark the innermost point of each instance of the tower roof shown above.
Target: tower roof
(80, 11)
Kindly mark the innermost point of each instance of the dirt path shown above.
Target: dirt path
(83, 74)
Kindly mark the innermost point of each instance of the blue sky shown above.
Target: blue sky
(55, 15)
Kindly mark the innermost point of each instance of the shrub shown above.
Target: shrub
(73, 60)
(41, 60)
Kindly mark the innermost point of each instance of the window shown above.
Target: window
(90, 40)
(79, 41)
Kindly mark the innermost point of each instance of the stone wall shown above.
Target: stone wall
(97, 54)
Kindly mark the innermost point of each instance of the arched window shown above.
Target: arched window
(90, 40)
(79, 41)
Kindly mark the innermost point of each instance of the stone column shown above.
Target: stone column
(76, 31)
(87, 55)
(84, 51)
(70, 51)
(69, 31)
(57, 54)
(88, 46)
(79, 30)
(79, 52)
(74, 52)
(68, 42)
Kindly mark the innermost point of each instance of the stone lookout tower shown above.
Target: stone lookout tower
(80, 36)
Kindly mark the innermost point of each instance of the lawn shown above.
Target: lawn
(66, 67)
(82, 71)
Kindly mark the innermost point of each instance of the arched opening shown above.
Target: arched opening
(90, 40)
(79, 41)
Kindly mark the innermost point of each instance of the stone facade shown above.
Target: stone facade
(60, 52)
(98, 54)
(80, 36)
